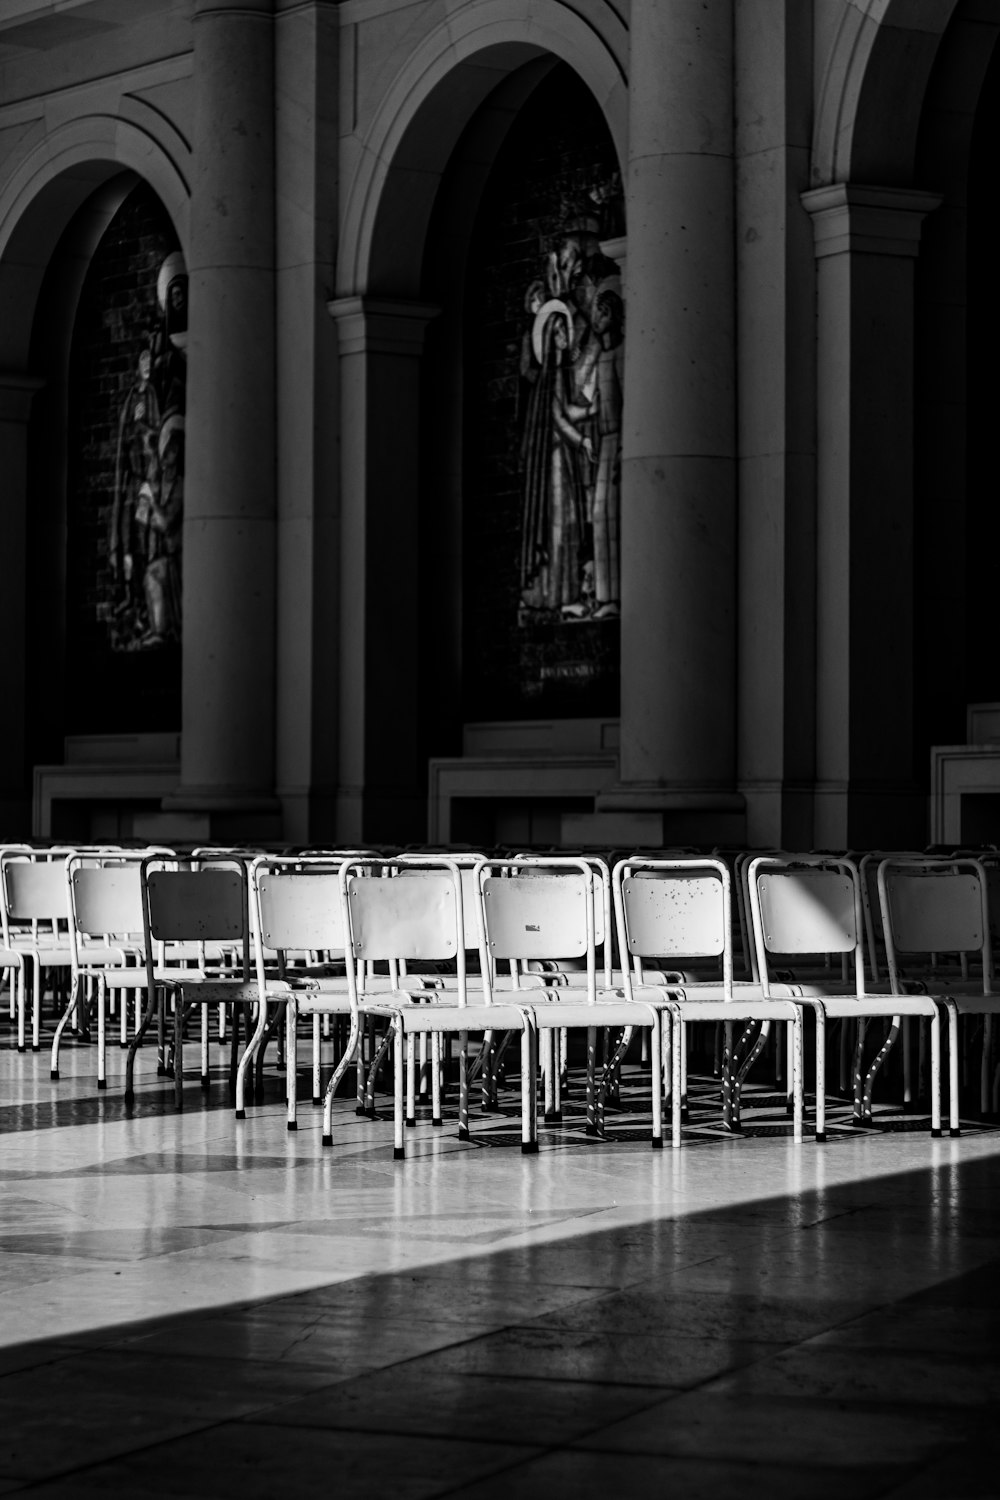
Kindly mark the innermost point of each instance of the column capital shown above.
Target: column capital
(248, 9)
(855, 217)
(371, 325)
(17, 391)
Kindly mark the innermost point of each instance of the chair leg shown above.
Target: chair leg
(820, 1015)
(435, 1051)
(204, 1047)
(529, 1088)
(675, 1090)
(953, 1116)
(592, 1125)
(411, 1080)
(350, 1053)
(291, 1072)
(936, 1073)
(102, 1005)
(400, 1054)
(463, 1086)
(656, 1076)
(179, 1050)
(75, 999)
(317, 1054)
(798, 1086)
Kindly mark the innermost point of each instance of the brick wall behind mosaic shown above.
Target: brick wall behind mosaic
(544, 340)
(125, 478)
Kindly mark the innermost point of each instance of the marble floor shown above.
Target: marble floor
(199, 1307)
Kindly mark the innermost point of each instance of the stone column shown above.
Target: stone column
(866, 239)
(307, 34)
(16, 392)
(227, 754)
(678, 475)
(382, 796)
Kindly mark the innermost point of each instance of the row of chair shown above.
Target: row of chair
(522, 946)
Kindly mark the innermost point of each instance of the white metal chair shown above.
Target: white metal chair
(679, 911)
(937, 908)
(812, 907)
(398, 913)
(542, 908)
(204, 906)
(297, 919)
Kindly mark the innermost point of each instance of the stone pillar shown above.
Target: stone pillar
(16, 392)
(866, 239)
(678, 474)
(307, 34)
(382, 796)
(227, 754)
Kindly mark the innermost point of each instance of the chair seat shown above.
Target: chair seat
(446, 1016)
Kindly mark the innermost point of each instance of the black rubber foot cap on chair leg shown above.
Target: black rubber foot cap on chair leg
(463, 1132)
(954, 1132)
(529, 1148)
(241, 1114)
(360, 1109)
(328, 1140)
(292, 1125)
(554, 1117)
(34, 1048)
(936, 1134)
(102, 1083)
(593, 1131)
(22, 1049)
(161, 1071)
(316, 1099)
(398, 1153)
(437, 1124)
(656, 1144)
(820, 1137)
(205, 1081)
(54, 1073)
(410, 1124)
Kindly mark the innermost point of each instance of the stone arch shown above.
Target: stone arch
(871, 96)
(52, 181)
(424, 111)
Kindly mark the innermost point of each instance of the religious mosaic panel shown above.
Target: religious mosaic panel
(545, 341)
(126, 491)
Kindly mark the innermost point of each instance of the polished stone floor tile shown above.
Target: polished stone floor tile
(564, 1474)
(200, 1307)
(414, 1399)
(258, 1462)
(769, 1430)
(624, 1358)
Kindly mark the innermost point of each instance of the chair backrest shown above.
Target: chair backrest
(937, 906)
(106, 899)
(806, 907)
(297, 904)
(674, 909)
(205, 905)
(467, 864)
(397, 912)
(537, 910)
(35, 890)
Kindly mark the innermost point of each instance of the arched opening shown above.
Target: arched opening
(410, 246)
(78, 270)
(956, 528)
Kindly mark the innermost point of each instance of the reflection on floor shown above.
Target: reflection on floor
(203, 1308)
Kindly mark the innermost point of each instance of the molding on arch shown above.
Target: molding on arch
(884, 48)
(497, 36)
(90, 149)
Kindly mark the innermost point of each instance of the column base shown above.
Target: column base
(664, 816)
(220, 816)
